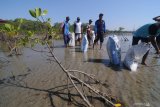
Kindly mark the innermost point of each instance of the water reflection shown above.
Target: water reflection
(85, 56)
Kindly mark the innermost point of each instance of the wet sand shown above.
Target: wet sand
(39, 82)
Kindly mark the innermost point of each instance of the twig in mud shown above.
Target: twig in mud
(69, 76)
(73, 78)
(88, 75)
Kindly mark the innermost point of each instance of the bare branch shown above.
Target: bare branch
(73, 78)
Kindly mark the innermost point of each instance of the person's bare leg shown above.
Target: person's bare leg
(76, 42)
(94, 44)
(80, 42)
(144, 58)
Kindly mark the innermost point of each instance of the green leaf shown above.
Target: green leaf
(20, 22)
(38, 12)
(8, 27)
(44, 12)
(36, 40)
(49, 20)
(32, 13)
(30, 33)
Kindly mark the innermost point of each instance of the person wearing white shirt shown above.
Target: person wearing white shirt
(78, 31)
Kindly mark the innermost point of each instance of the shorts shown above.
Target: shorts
(77, 36)
(66, 39)
(99, 37)
(135, 40)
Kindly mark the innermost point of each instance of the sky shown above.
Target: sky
(129, 14)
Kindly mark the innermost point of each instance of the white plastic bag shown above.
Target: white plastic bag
(114, 50)
(134, 54)
(84, 44)
(72, 39)
(93, 37)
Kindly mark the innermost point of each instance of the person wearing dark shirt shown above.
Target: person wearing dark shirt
(100, 29)
(157, 19)
(147, 33)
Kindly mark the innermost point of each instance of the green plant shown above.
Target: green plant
(12, 37)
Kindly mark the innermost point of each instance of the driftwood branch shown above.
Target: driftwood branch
(73, 78)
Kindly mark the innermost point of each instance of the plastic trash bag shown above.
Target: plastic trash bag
(72, 39)
(114, 50)
(84, 44)
(134, 54)
(93, 37)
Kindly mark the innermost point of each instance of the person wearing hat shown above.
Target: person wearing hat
(157, 19)
(66, 32)
(147, 33)
(89, 29)
(78, 31)
(100, 29)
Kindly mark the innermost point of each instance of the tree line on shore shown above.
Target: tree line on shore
(33, 25)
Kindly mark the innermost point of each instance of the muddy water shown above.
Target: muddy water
(33, 80)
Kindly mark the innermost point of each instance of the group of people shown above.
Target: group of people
(99, 30)
(147, 33)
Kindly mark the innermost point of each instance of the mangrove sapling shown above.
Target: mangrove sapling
(12, 37)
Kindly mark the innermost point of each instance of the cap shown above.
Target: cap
(90, 20)
(101, 14)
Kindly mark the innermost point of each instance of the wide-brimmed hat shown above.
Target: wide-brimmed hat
(157, 18)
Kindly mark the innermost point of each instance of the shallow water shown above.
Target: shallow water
(35, 76)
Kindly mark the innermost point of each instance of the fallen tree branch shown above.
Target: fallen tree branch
(88, 75)
(73, 78)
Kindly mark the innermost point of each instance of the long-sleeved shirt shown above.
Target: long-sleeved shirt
(100, 26)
